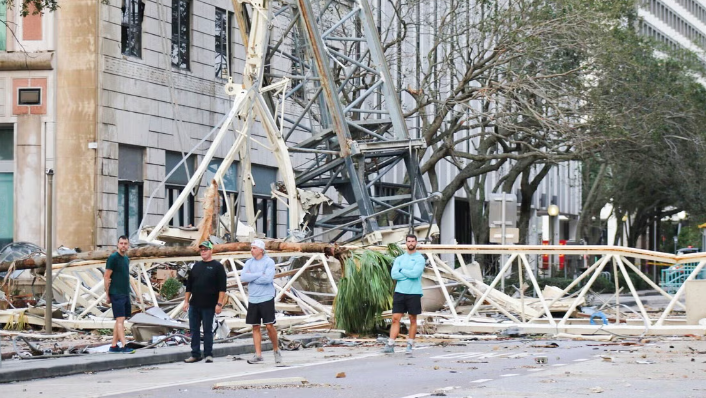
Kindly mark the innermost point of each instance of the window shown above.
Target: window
(176, 184)
(131, 37)
(7, 191)
(223, 43)
(267, 218)
(180, 33)
(264, 177)
(130, 190)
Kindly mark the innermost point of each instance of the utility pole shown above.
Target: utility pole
(49, 290)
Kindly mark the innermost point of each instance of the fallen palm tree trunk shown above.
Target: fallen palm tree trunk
(175, 251)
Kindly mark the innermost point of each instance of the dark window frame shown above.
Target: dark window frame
(223, 43)
(171, 194)
(133, 14)
(181, 33)
(264, 223)
(126, 185)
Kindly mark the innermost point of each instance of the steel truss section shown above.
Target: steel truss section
(81, 285)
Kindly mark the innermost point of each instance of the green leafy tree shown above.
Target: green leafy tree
(28, 7)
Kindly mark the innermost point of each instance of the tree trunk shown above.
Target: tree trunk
(528, 189)
(177, 251)
(588, 204)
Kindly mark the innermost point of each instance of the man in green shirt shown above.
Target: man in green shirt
(117, 286)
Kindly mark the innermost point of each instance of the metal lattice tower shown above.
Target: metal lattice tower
(346, 121)
(316, 77)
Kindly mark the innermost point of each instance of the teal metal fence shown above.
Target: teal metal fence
(675, 276)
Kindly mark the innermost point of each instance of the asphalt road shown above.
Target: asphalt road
(506, 368)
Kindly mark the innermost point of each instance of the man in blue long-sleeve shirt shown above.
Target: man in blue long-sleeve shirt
(259, 272)
(407, 271)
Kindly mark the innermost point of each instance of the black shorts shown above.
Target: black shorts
(121, 305)
(261, 313)
(409, 303)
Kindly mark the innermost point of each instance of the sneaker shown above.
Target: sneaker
(192, 359)
(255, 359)
(389, 349)
(409, 349)
(209, 359)
(127, 350)
(278, 357)
(115, 349)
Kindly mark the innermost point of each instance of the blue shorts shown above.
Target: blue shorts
(121, 305)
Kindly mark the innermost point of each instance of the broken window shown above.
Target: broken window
(176, 184)
(130, 189)
(7, 191)
(222, 38)
(131, 37)
(181, 31)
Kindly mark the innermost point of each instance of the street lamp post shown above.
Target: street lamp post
(48, 277)
(553, 212)
(681, 216)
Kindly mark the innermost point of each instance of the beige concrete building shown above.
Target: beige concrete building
(111, 95)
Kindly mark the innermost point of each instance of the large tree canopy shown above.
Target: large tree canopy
(523, 85)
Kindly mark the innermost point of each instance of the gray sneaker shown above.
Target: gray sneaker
(409, 349)
(256, 359)
(209, 359)
(389, 349)
(278, 357)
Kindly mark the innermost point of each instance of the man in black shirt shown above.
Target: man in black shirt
(205, 292)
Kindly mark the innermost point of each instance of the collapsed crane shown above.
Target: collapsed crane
(316, 78)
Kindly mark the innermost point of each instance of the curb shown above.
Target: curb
(23, 370)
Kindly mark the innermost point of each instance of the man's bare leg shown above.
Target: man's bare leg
(272, 333)
(395, 328)
(257, 339)
(119, 331)
(412, 326)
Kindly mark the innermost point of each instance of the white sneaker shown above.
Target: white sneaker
(278, 357)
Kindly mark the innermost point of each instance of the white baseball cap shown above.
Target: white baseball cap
(258, 243)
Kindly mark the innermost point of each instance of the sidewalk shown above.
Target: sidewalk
(30, 369)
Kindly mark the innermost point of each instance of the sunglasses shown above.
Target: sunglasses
(204, 249)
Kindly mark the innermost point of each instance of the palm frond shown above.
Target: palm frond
(364, 292)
